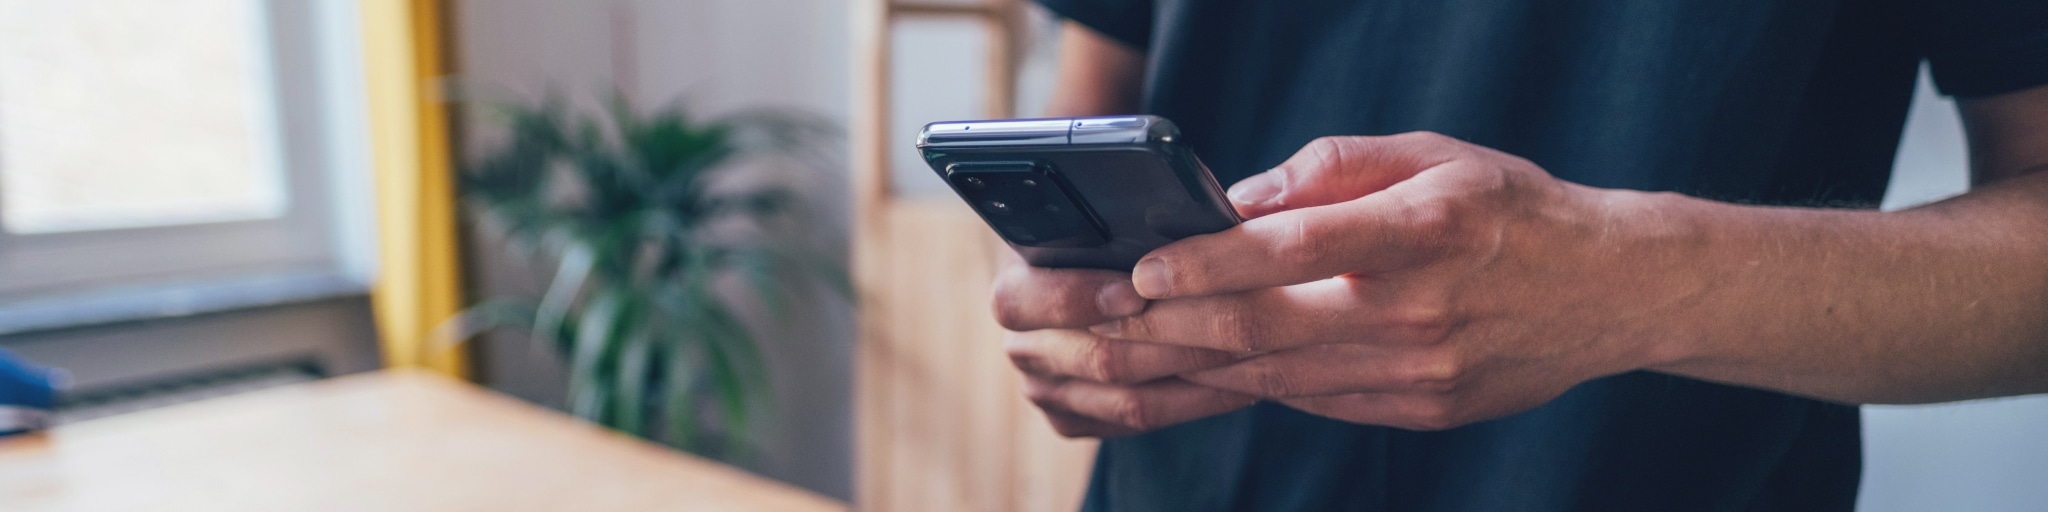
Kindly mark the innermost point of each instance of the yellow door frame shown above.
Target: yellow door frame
(418, 283)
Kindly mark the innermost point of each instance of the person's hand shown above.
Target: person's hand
(1089, 385)
(1414, 281)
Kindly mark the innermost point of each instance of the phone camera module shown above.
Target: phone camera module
(1027, 204)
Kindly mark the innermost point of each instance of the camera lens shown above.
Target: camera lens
(1027, 203)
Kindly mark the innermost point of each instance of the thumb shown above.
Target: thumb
(1332, 170)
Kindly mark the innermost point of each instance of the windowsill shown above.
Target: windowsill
(173, 301)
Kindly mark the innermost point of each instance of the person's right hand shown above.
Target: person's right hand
(1088, 385)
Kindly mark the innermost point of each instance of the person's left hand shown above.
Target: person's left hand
(1414, 281)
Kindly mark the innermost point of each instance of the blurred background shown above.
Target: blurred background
(239, 198)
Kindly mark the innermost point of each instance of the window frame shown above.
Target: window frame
(311, 68)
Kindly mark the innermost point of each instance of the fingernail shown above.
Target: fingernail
(1111, 329)
(1119, 299)
(1152, 279)
(1257, 189)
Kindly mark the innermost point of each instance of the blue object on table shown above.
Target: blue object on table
(27, 393)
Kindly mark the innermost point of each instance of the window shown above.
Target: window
(177, 85)
(149, 145)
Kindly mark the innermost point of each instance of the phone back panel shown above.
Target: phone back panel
(1140, 186)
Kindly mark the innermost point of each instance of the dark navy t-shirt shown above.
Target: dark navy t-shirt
(1758, 101)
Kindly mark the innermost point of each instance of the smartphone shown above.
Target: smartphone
(1091, 192)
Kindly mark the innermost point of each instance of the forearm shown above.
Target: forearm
(1943, 302)
(1097, 75)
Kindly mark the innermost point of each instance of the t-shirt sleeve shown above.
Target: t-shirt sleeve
(1986, 47)
(1127, 21)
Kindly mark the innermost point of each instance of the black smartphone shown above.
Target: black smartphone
(1093, 192)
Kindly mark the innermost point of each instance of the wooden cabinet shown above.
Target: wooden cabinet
(940, 422)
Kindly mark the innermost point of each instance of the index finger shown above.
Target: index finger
(1342, 311)
(1378, 232)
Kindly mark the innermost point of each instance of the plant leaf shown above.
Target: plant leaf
(596, 328)
(679, 396)
(632, 382)
(629, 204)
(485, 316)
(570, 274)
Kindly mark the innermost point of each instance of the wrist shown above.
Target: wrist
(1655, 249)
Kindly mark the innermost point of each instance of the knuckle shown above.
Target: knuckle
(1272, 383)
(1236, 329)
(1436, 375)
(1304, 242)
(1431, 226)
(1325, 147)
(1007, 307)
(1137, 326)
(1435, 218)
(1016, 343)
(1191, 359)
(1105, 362)
(1128, 410)
(1044, 395)
(1329, 151)
(1028, 364)
(1024, 355)
(1020, 351)
(1425, 322)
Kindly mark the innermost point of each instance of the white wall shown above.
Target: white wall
(717, 56)
(1988, 455)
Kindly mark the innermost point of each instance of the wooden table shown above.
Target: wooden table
(383, 441)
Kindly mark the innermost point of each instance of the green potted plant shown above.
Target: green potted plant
(653, 246)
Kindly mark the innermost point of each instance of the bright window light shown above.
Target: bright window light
(132, 113)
